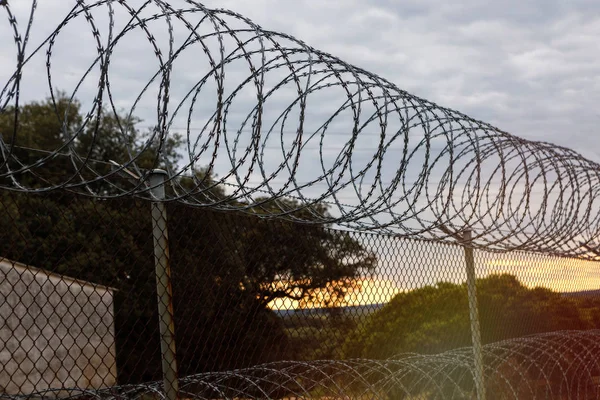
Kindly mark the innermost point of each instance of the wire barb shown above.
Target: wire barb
(278, 119)
(552, 365)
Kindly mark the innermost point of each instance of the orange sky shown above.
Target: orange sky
(558, 274)
(373, 291)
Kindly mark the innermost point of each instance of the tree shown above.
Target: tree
(42, 126)
(319, 270)
(433, 319)
(56, 125)
(224, 264)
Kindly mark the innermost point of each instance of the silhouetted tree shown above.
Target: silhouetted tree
(227, 267)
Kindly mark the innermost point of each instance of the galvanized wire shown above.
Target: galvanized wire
(79, 306)
(278, 119)
(545, 366)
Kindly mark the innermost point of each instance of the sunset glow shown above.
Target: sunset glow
(369, 291)
(557, 274)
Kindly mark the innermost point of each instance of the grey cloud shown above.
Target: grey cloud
(529, 68)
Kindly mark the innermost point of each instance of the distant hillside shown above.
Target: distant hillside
(583, 293)
(348, 310)
(371, 308)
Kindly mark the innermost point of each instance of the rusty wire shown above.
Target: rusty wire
(277, 119)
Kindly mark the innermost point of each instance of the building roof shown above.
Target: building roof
(5, 262)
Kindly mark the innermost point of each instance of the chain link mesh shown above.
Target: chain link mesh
(368, 247)
(78, 302)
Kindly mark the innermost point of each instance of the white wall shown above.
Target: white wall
(55, 332)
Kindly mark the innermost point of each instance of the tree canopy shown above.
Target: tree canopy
(433, 319)
(225, 266)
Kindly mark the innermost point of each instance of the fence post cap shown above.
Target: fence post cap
(157, 183)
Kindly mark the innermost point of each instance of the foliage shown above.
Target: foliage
(319, 270)
(433, 319)
(56, 124)
(223, 265)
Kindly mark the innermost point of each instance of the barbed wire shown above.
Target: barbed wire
(544, 366)
(260, 111)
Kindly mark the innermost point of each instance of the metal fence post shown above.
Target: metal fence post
(163, 285)
(466, 240)
(474, 316)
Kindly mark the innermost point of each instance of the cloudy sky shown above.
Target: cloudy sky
(528, 67)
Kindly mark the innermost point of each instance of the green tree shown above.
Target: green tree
(56, 125)
(433, 319)
(116, 137)
(224, 264)
(42, 127)
(319, 270)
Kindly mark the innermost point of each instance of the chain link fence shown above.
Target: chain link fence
(79, 308)
(360, 241)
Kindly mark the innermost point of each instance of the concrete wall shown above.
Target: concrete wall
(55, 332)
